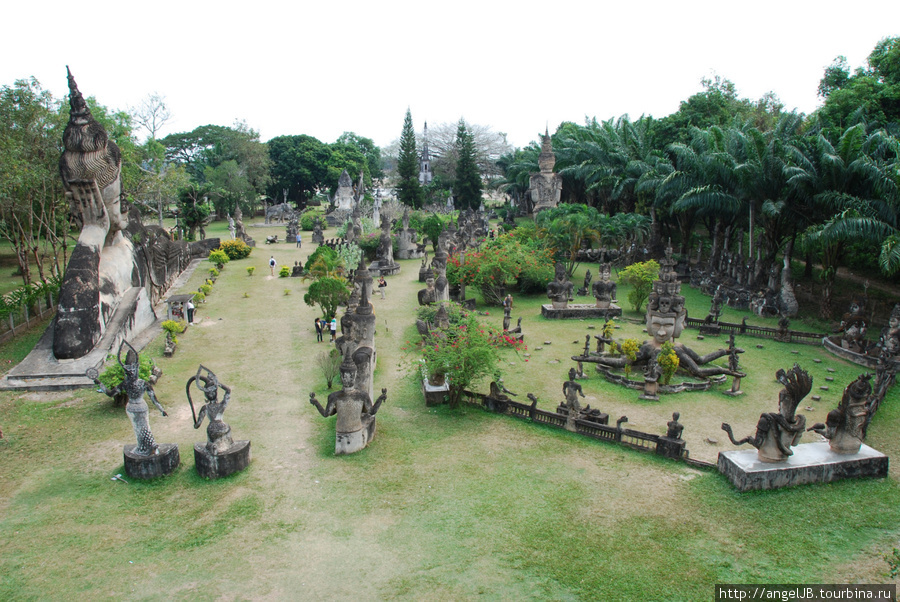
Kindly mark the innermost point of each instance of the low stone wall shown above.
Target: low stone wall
(648, 442)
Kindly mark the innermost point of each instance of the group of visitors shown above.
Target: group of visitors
(326, 325)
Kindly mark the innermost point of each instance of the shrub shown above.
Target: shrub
(219, 258)
(213, 273)
(114, 375)
(369, 244)
(324, 261)
(668, 361)
(465, 353)
(640, 277)
(199, 297)
(173, 328)
(629, 348)
(330, 364)
(350, 254)
(236, 249)
(455, 311)
(328, 293)
(206, 289)
(284, 272)
(250, 270)
(308, 217)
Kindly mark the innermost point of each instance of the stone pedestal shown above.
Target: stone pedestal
(575, 311)
(651, 390)
(811, 463)
(150, 467)
(670, 448)
(236, 459)
(435, 394)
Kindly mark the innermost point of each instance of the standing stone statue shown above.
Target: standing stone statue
(232, 229)
(546, 186)
(355, 426)
(571, 389)
(147, 459)
(137, 408)
(221, 455)
(777, 432)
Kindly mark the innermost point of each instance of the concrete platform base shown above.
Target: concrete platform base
(151, 467)
(577, 311)
(811, 463)
(435, 395)
(234, 460)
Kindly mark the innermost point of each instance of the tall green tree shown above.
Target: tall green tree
(367, 147)
(299, 165)
(32, 206)
(212, 145)
(409, 191)
(467, 187)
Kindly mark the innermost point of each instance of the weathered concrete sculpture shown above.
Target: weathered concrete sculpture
(845, 426)
(777, 432)
(571, 389)
(221, 455)
(605, 289)
(147, 459)
(118, 267)
(546, 186)
(559, 290)
(384, 263)
(355, 426)
(665, 323)
(428, 295)
(343, 201)
(99, 271)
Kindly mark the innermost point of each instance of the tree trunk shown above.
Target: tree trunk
(787, 301)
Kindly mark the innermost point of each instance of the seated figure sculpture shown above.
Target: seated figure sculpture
(559, 290)
(845, 426)
(777, 432)
(604, 289)
(355, 426)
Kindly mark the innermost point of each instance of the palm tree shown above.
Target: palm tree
(852, 191)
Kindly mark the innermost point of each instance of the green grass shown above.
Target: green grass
(443, 505)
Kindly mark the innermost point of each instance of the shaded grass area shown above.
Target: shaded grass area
(443, 505)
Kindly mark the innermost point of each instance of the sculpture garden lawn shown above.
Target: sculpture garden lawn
(443, 504)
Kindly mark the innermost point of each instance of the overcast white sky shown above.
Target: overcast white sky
(327, 67)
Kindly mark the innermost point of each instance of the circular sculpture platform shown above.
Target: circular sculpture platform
(236, 459)
(624, 381)
(150, 467)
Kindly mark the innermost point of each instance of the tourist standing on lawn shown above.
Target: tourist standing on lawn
(319, 326)
(333, 326)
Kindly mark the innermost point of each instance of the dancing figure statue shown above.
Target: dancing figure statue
(218, 432)
(136, 408)
(777, 432)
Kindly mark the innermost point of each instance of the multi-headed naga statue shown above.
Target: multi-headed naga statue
(777, 432)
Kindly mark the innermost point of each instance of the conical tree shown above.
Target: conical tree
(409, 192)
(468, 179)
